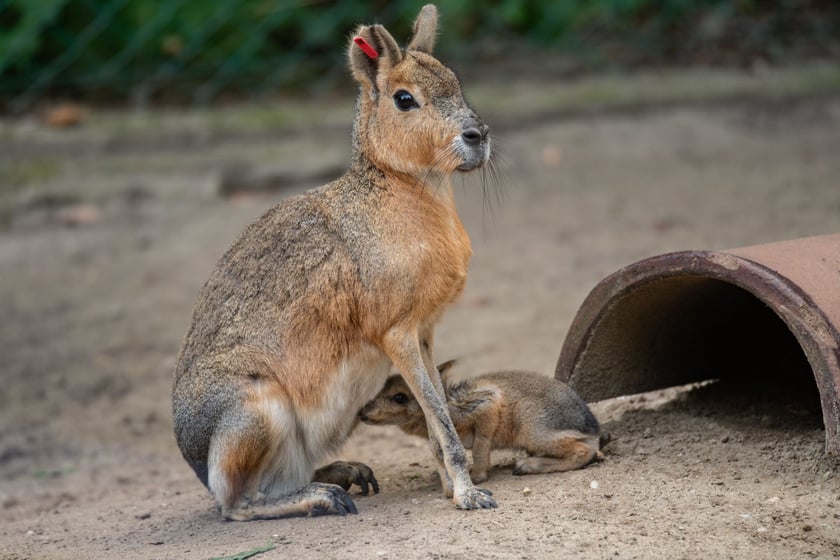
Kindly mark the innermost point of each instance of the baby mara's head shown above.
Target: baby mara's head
(394, 405)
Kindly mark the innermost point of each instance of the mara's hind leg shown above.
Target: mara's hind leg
(257, 471)
(566, 452)
(314, 499)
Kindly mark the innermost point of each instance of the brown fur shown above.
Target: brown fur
(504, 410)
(304, 315)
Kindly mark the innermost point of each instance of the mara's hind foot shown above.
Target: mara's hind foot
(314, 499)
(348, 473)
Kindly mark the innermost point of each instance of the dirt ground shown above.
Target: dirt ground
(110, 231)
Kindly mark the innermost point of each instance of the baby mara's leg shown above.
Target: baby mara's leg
(566, 451)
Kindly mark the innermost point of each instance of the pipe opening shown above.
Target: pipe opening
(677, 330)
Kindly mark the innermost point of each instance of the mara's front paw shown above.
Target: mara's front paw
(474, 498)
(346, 474)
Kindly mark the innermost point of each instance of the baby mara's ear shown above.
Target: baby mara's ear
(425, 30)
(372, 51)
(444, 368)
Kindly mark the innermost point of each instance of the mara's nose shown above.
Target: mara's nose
(475, 134)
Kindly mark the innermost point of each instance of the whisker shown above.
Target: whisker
(491, 183)
(496, 177)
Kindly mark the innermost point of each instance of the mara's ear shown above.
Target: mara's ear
(372, 50)
(425, 30)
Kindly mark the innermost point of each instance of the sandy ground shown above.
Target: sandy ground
(104, 251)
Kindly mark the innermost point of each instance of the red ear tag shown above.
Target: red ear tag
(366, 48)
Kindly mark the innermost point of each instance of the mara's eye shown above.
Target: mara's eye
(400, 398)
(405, 101)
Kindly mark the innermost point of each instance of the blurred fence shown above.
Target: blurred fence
(189, 50)
(193, 51)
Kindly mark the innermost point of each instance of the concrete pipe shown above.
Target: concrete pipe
(767, 315)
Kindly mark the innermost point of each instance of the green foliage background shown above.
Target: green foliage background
(199, 49)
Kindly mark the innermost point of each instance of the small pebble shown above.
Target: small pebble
(64, 115)
(594, 484)
(552, 155)
(79, 215)
(526, 491)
